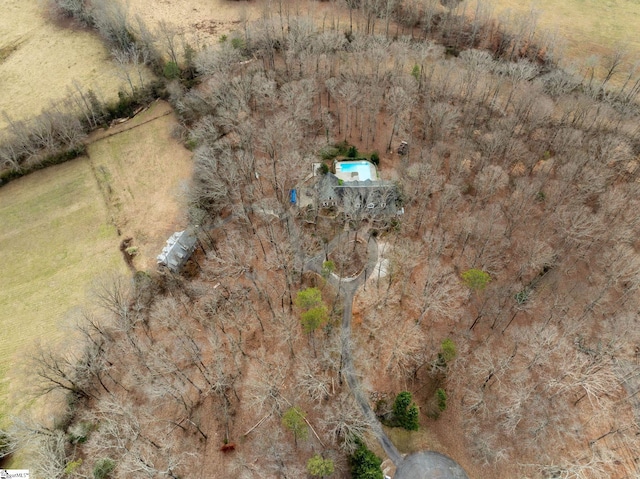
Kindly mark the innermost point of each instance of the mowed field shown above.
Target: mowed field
(54, 240)
(586, 27)
(144, 173)
(40, 61)
(59, 234)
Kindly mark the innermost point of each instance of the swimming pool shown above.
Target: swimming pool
(355, 171)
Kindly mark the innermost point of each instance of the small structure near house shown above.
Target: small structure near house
(179, 248)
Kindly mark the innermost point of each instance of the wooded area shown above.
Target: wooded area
(510, 283)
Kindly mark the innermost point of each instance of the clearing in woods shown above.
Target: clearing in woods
(59, 235)
(143, 173)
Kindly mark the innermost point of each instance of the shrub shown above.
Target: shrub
(441, 397)
(375, 158)
(341, 148)
(328, 267)
(324, 168)
(476, 279)
(447, 351)
(352, 152)
(308, 298)
(446, 354)
(293, 419)
(103, 468)
(79, 433)
(317, 466)
(238, 43)
(365, 464)
(171, 70)
(406, 412)
(522, 296)
(72, 466)
(415, 72)
(313, 318)
(329, 153)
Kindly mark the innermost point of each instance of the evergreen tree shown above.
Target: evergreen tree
(365, 464)
(406, 411)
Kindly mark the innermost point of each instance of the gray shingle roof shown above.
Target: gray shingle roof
(179, 248)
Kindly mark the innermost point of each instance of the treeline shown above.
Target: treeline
(58, 134)
(164, 49)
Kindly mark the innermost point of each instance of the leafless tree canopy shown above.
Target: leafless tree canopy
(514, 168)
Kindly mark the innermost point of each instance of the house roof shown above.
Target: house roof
(326, 187)
(179, 248)
(375, 196)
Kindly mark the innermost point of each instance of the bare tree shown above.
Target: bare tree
(111, 20)
(344, 423)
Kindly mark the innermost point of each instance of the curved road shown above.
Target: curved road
(420, 465)
(347, 289)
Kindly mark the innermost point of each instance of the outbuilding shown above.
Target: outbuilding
(179, 248)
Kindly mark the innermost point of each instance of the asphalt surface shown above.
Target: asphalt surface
(347, 288)
(421, 465)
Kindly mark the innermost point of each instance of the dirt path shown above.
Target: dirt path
(162, 109)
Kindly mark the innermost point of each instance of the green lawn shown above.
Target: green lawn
(54, 241)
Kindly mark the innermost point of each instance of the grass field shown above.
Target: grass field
(54, 241)
(144, 171)
(58, 234)
(39, 61)
(587, 27)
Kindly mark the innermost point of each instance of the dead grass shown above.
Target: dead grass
(57, 234)
(588, 27)
(52, 224)
(204, 21)
(40, 61)
(143, 173)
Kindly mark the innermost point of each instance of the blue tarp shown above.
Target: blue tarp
(293, 197)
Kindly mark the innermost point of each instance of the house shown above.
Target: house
(326, 192)
(179, 248)
(355, 192)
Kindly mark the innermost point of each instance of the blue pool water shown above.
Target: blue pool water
(363, 168)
